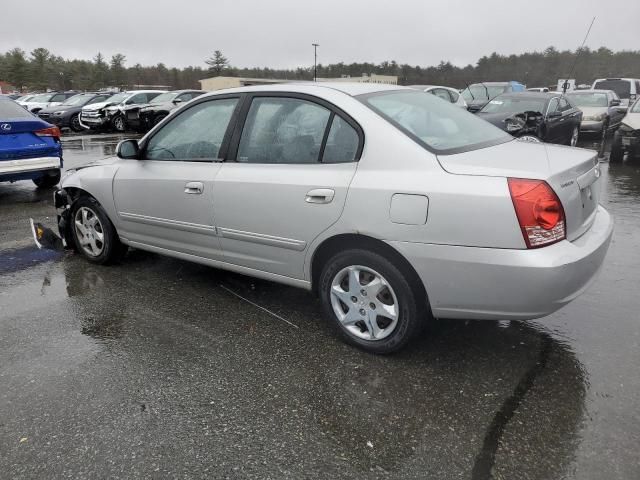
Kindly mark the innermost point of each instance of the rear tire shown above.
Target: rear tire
(94, 236)
(48, 180)
(387, 312)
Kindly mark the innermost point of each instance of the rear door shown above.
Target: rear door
(165, 199)
(290, 167)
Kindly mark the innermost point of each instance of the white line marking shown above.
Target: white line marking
(258, 306)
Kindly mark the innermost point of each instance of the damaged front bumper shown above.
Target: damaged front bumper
(62, 203)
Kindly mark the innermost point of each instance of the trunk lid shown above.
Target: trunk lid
(573, 173)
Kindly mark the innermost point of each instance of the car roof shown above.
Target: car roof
(349, 88)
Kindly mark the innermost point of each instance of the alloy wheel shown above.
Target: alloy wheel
(118, 122)
(364, 303)
(89, 231)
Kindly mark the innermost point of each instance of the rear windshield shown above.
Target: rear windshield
(589, 99)
(515, 105)
(10, 110)
(439, 126)
(621, 87)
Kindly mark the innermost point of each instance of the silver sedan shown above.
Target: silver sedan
(394, 207)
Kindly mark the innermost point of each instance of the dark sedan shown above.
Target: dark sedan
(535, 117)
(67, 114)
(145, 117)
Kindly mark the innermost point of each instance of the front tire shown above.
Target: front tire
(369, 302)
(529, 138)
(575, 133)
(617, 153)
(93, 233)
(118, 123)
(74, 123)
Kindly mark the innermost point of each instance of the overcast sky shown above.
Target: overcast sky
(279, 33)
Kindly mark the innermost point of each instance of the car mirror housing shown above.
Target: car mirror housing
(177, 100)
(622, 109)
(615, 102)
(128, 149)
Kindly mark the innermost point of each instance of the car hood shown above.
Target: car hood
(97, 106)
(60, 108)
(96, 163)
(496, 119)
(632, 120)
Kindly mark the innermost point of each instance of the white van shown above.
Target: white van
(628, 89)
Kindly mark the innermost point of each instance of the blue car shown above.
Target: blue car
(30, 148)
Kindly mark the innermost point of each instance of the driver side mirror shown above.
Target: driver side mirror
(622, 109)
(177, 100)
(615, 102)
(128, 149)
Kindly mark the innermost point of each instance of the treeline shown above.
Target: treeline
(40, 69)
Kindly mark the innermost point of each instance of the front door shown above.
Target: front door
(165, 199)
(294, 160)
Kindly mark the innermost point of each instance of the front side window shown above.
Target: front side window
(564, 105)
(553, 106)
(440, 126)
(283, 130)
(196, 134)
(60, 97)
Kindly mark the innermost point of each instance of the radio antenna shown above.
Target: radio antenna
(566, 83)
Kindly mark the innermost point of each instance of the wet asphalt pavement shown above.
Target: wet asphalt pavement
(156, 368)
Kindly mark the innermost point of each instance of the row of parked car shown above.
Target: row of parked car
(137, 110)
(540, 115)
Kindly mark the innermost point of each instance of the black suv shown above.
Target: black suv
(67, 114)
(145, 117)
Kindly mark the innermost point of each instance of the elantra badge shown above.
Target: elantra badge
(5, 127)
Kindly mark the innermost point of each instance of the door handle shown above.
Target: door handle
(194, 188)
(320, 195)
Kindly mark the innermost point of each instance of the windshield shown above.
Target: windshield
(117, 98)
(479, 92)
(78, 99)
(589, 99)
(44, 97)
(514, 105)
(621, 87)
(440, 126)
(165, 97)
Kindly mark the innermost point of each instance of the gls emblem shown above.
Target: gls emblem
(5, 127)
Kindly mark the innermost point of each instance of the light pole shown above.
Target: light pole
(315, 61)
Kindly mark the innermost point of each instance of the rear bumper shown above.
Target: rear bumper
(26, 165)
(503, 284)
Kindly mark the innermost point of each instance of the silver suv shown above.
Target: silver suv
(393, 206)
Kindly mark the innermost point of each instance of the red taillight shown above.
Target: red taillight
(49, 132)
(539, 212)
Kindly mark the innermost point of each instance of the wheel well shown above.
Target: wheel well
(339, 243)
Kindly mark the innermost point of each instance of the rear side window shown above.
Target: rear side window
(283, 130)
(621, 87)
(10, 110)
(342, 143)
